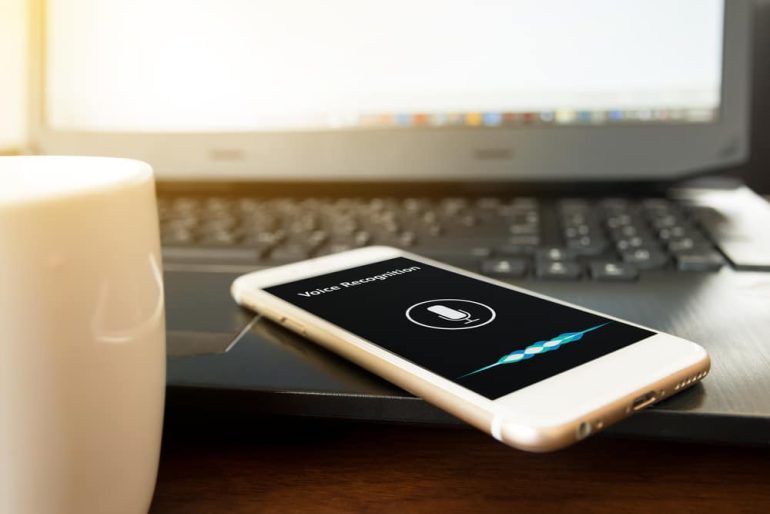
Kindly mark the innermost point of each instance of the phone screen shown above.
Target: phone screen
(487, 338)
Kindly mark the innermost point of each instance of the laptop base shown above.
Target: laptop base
(222, 356)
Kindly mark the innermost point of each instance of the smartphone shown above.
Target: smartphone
(535, 372)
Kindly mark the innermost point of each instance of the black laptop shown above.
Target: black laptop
(573, 148)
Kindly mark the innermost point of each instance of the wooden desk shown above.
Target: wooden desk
(210, 465)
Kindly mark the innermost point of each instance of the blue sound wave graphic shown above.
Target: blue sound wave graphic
(537, 348)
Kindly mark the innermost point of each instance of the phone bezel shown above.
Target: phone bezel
(543, 416)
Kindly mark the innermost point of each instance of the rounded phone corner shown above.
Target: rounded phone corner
(530, 438)
(705, 358)
(235, 291)
(237, 288)
(697, 354)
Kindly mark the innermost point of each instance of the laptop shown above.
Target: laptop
(574, 148)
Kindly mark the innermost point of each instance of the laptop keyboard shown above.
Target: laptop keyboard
(560, 239)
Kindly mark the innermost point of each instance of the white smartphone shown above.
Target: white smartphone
(534, 372)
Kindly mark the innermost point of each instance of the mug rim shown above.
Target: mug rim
(38, 178)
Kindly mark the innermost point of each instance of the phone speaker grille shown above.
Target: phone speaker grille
(689, 381)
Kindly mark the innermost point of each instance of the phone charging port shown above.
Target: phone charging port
(643, 401)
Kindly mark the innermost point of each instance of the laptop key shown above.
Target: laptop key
(469, 252)
(510, 267)
(554, 253)
(577, 231)
(218, 238)
(699, 261)
(179, 236)
(687, 244)
(404, 239)
(587, 245)
(643, 258)
(516, 249)
(634, 242)
(480, 251)
(608, 270)
(672, 233)
(558, 270)
(263, 239)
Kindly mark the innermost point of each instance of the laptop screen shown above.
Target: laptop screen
(294, 65)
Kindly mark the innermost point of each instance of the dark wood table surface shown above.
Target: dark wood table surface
(237, 464)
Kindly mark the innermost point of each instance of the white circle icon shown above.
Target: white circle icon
(450, 314)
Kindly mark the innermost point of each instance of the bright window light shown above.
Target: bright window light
(13, 79)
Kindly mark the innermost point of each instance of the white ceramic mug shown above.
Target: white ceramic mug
(82, 339)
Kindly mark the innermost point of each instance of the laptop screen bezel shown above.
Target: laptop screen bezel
(632, 152)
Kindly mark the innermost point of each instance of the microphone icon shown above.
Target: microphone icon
(449, 314)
